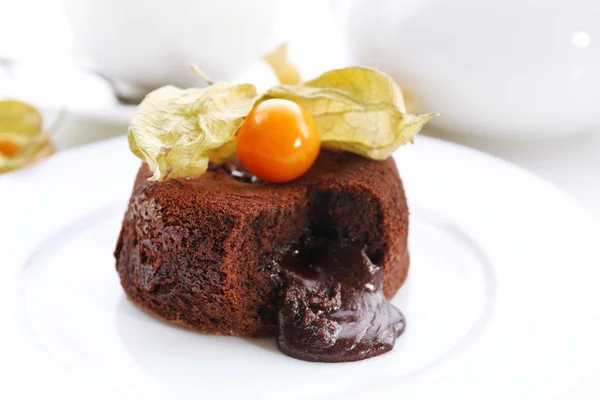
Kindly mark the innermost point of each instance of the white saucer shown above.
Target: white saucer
(501, 301)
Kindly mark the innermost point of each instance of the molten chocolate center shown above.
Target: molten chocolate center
(331, 304)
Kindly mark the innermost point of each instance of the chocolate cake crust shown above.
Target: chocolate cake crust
(199, 252)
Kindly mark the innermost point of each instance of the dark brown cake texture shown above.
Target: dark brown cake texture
(201, 252)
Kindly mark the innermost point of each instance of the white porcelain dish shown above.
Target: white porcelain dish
(144, 44)
(520, 68)
(501, 300)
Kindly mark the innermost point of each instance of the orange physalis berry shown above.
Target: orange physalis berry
(8, 148)
(278, 141)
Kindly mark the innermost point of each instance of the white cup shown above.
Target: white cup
(140, 45)
(522, 68)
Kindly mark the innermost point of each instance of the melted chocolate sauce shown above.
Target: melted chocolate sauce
(331, 304)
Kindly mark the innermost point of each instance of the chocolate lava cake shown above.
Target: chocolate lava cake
(228, 254)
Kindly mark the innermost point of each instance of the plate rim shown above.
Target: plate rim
(32, 172)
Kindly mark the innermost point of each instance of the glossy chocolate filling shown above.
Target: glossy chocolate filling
(331, 306)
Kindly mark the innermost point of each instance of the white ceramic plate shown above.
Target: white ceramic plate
(501, 301)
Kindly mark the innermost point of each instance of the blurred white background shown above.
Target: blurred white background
(42, 62)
